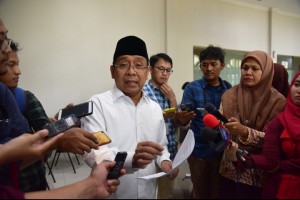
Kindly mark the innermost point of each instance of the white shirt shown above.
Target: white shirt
(128, 124)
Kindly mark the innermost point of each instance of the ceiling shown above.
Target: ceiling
(286, 6)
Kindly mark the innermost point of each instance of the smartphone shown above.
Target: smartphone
(115, 171)
(80, 110)
(102, 138)
(187, 107)
(62, 125)
(170, 110)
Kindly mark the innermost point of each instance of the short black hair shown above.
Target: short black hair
(184, 85)
(154, 59)
(212, 52)
(14, 46)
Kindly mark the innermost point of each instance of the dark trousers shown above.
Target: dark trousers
(205, 177)
(232, 190)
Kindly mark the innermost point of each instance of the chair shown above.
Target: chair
(45, 160)
(56, 156)
(50, 171)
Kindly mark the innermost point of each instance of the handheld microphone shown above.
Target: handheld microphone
(214, 111)
(218, 139)
(213, 125)
(211, 121)
(217, 135)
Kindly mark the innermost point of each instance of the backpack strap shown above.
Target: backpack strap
(20, 97)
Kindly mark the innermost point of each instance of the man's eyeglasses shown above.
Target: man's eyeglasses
(5, 44)
(162, 70)
(3, 34)
(138, 67)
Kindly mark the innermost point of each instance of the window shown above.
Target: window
(291, 63)
(233, 59)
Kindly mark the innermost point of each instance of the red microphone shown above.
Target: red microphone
(219, 134)
(211, 121)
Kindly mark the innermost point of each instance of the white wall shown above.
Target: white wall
(202, 22)
(68, 45)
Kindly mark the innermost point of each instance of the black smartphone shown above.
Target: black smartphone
(80, 110)
(62, 125)
(187, 107)
(115, 171)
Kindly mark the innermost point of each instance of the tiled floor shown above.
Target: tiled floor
(64, 175)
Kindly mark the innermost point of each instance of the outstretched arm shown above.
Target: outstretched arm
(27, 147)
(94, 186)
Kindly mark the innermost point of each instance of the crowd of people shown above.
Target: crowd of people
(262, 113)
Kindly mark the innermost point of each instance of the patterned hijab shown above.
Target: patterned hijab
(290, 117)
(254, 106)
(280, 80)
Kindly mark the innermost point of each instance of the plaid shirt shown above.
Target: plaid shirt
(33, 177)
(157, 96)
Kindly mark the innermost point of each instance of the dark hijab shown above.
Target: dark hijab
(280, 79)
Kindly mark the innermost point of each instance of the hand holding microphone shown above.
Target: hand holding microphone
(233, 125)
(217, 135)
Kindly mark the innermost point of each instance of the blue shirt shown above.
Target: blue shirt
(153, 93)
(198, 93)
(12, 124)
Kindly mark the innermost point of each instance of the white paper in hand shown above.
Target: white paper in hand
(183, 153)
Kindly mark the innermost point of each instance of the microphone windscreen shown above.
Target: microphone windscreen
(209, 134)
(210, 121)
(210, 108)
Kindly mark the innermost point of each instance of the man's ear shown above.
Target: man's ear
(150, 69)
(222, 66)
(112, 71)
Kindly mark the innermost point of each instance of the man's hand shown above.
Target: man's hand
(145, 153)
(167, 166)
(104, 186)
(96, 186)
(77, 140)
(168, 91)
(55, 118)
(183, 117)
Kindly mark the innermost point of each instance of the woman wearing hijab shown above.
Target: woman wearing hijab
(249, 106)
(281, 150)
(281, 79)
